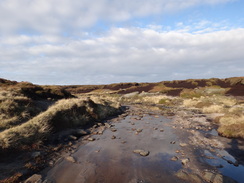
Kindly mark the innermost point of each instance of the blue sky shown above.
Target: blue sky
(105, 41)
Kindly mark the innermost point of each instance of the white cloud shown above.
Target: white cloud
(58, 16)
(123, 54)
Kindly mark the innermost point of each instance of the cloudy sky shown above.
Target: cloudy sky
(110, 41)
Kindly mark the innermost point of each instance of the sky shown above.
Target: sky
(67, 42)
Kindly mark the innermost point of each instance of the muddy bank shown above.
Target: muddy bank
(142, 145)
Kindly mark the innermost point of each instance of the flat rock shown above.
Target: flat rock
(216, 178)
(36, 178)
(101, 130)
(175, 158)
(189, 177)
(141, 152)
(35, 154)
(183, 144)
(185, 161)
(113, 129)
(91, 139)
(72, 137)
(80, 132)
(139, 130)
(70, 159)
(107, 125)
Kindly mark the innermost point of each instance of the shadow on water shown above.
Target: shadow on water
(228, 161)
(236, 151)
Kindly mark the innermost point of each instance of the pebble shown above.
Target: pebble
(81, 132)
(107, 125)
(36, 178)
(72, 137)
(185, 161)
(183, 144)
(161, 130)
(70, 159)
(113, 137)
(139, 130)
(91, 139)
(175, 158)
(35, 154)
(172, 142)
(113, 129)
(141, 152)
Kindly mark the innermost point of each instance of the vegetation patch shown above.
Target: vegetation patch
(66, 113)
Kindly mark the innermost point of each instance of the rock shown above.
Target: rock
(209, 157)
(220, 166)
(177, 151)
(236, 163)
(188, 177)
(123, 142)
(216, 178)
(172, 142)
(107, 125)
(175, 158)
(80, 132)
(113, 129)
(91, 139)
(230, 162)
(139, 130)
(51, 163)
(101, 130)
(100, 124)
(155, 128)
(36, 178)
(70, 159)
(185, 161)
(183, 144)
(72, 137)
(161, 130)
(132, 123)
(113, 137)
(141, 152)
(35, 154)
(47, 181)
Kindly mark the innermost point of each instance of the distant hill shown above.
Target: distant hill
(234, 86)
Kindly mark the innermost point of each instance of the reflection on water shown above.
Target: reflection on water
(225, 164)
(110, 160)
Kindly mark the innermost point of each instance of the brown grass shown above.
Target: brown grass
(64, 114)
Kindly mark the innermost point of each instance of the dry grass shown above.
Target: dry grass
(206, 103)
(214, 109)
(231, 126)
(231, 121)
(15, 109)
(145, 98)
(64, 114)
